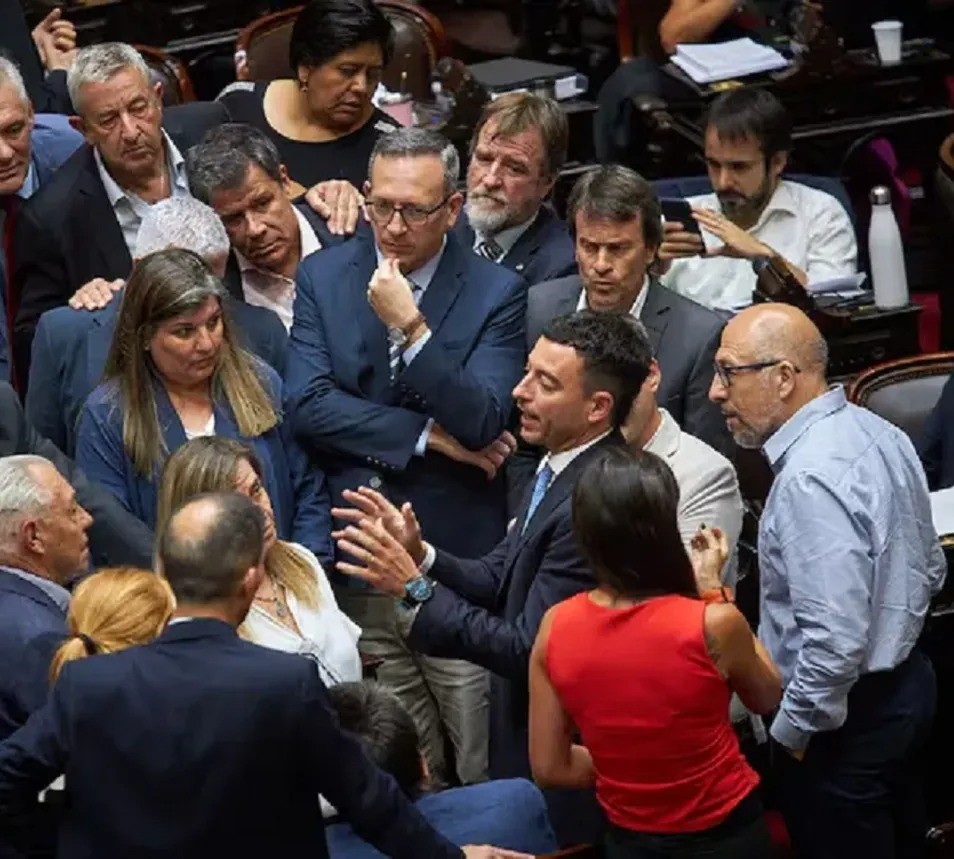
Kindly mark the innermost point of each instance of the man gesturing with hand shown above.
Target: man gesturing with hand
(404, 352)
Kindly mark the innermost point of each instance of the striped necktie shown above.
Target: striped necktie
(489, 249)
(395, 349)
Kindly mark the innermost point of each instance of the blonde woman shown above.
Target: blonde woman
(176, 371)
(111, 610)
(294, 609)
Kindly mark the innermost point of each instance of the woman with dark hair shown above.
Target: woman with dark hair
(322, 119)
(176, 371)
(643, 668)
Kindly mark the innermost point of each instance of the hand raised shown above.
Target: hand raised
(708, 552)
(390, 296)
(401, 523)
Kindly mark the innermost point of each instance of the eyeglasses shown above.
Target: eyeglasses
(725, 372)
(381, 212)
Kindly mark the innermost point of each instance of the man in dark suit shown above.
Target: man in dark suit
(246, 774)
(83, 223)
(582, 377)
(403, 355)
(617, 225)
(71, 345)
(115, 537)
(33, 148)
(517, 151)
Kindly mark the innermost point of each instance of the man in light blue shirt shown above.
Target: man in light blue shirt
(849, 561)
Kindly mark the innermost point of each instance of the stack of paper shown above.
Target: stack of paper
(725, 60)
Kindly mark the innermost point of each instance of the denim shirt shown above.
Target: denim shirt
(848, 558)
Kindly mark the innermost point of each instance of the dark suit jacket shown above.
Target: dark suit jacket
(199, 745)
(684, 337)
(490, 610)
(115, 537)
(69, 355)
(344, 406)
(67, 233)
(544, 252)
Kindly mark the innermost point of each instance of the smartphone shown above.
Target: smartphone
(678, 210)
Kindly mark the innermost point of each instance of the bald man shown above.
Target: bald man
(849, 561)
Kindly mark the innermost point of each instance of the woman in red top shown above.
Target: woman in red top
(643, 668)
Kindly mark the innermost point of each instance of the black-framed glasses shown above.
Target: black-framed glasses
(725, 372)
(381, 211)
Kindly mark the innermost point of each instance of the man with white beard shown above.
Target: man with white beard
(518, 148)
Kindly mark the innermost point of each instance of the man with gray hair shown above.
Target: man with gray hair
(32, 147)
(83, 223)
(70, 346)
(404, 351)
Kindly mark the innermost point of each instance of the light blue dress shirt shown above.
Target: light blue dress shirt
(421, 278)
(848, 558)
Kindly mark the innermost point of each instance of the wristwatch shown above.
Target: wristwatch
(418, 591)
(401, 336)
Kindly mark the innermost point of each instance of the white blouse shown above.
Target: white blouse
(328, 635)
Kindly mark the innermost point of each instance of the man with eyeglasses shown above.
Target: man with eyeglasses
(404, 352)
(849, 561)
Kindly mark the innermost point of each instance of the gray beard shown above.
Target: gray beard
(486, 222)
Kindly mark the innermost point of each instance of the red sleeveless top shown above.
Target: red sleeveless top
(653, 710)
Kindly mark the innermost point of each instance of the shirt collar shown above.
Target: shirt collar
(507, 238)
(785, 437)
(57, 593)
(174, 161)
(28, 189)
(665, 441)
(306, 236)
(783, 200)
(635, 311)
(421, 277)
(559, 461)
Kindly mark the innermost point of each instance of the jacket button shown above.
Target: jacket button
(375, 482)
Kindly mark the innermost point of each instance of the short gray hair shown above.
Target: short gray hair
(418, 142)
(21, 493)
(221, 161)
(99, 63)
(10, 74)
(182, 222)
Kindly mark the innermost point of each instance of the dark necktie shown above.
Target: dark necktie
(489, 249)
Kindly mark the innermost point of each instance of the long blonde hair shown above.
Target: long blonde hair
(210, 464)
(163, 285)
(111, 610)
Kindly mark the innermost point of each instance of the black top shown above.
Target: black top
(310, 163)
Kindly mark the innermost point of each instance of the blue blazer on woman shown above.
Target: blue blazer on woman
(297, 488)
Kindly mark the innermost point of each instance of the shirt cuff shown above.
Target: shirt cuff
(413, 351)
(784, 731)
(421, 447)
(429, 557)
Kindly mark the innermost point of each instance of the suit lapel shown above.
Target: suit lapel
(464, 231)
(99, 337)
(232, 279)
(374, 377)
(445, 286)
(523, 250)
(103, 230)
(655, 315)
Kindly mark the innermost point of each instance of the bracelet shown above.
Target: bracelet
(717, 595)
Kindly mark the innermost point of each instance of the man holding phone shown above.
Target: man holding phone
(753, 212)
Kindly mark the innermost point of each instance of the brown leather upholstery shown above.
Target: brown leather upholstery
(261, 50)
(171, 73)
(905, 391)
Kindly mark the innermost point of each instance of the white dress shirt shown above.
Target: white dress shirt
(808, 227)
(636, 311)
(270, 289)
(130, 208)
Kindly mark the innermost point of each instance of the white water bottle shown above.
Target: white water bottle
(886, 253)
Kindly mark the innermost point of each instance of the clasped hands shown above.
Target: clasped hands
(55, 40)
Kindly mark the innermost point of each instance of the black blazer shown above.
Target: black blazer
(67, 234)
(490, 610)
(201, 744)
(544, 252)
(115, 537)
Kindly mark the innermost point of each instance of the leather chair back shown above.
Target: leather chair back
(904, 392)
(171, 72)
(261, 51)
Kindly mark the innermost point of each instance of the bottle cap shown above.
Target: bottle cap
(880, 195)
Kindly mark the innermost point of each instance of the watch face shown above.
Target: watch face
(419, 589)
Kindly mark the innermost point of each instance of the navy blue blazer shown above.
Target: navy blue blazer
(69, 354)
(544, 252)
(508, 813)
(490, 610)
(52, 141)
(344, 407)
(295, 486)
(201, 745)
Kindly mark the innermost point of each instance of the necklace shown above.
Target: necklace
(281, 609)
